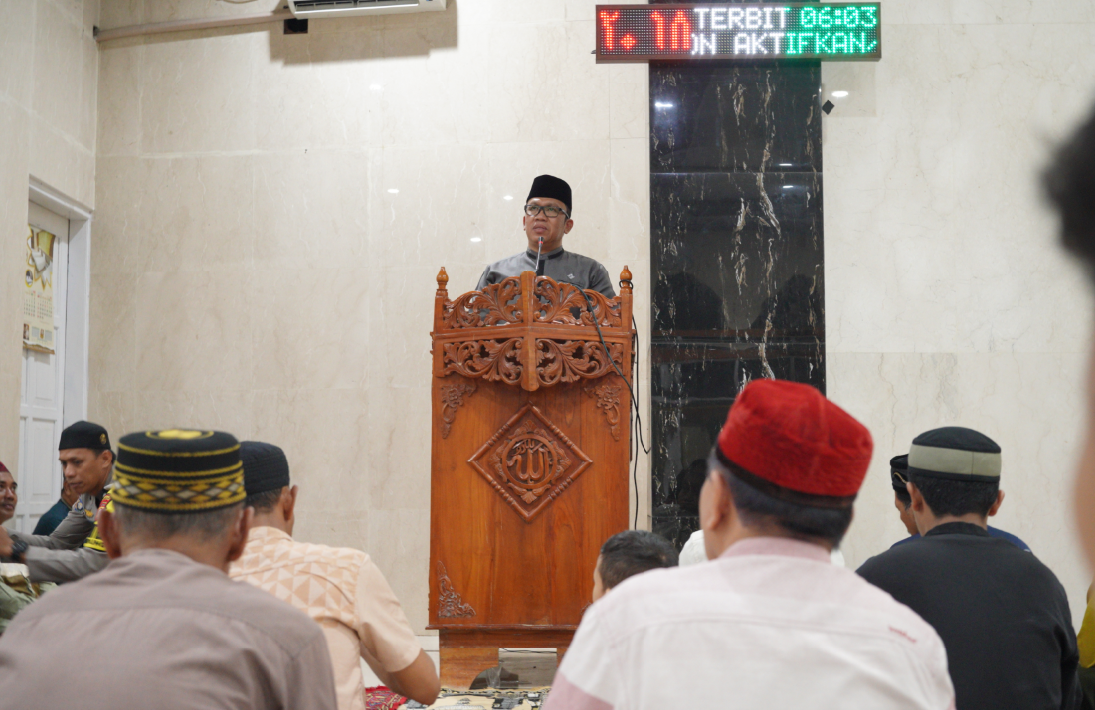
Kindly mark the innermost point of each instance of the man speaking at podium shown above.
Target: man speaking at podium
(547, 220)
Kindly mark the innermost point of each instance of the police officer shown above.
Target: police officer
(74, 549)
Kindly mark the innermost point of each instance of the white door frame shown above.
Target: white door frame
(77, 295)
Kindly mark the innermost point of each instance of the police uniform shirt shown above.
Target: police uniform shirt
(65, 555)
(1001, 613)
(583, 272)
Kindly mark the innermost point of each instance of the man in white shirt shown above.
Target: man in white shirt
(769, 622)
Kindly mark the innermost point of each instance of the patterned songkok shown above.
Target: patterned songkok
(178, 471)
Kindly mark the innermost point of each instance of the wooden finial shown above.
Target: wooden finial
(442, 282)
(625, 279)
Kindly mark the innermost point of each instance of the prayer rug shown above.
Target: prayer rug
(381, 698)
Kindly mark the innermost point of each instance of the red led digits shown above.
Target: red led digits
(608, 20)
(680, 32)
(659, 29)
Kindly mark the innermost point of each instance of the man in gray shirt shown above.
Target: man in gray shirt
(163, 626)
(546, 221)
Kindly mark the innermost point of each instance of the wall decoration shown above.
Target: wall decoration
(38, 331)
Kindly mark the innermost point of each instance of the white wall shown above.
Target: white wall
(255, 274)
(948, 301)
(48, 73)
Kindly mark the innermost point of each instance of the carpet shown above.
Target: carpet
(380, 698)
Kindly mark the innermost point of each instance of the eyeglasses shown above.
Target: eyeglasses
(550, 211)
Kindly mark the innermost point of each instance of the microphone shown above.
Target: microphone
(539, 263)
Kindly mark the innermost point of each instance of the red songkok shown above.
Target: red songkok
(789, 436)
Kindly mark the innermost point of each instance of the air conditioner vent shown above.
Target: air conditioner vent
(346, 8)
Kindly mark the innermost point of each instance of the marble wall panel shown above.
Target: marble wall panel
(294, 350)
(198, 91)
(198, 214)
(17, 52)
(119, 98)
(311, 209)
(194, 331)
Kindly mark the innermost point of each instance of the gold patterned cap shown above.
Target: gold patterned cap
(178, 471)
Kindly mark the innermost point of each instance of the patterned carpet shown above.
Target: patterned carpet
(380, 698)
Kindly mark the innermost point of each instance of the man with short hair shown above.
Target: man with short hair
(339, 588)
(1001, 613)
(73, 550)
(899, 479)
(768, 622)
(627, 554)
(163, 625)
(547, 220)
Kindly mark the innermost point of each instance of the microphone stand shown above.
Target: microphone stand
(539, 264)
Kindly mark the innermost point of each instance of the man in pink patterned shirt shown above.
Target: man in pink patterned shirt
(340, 588)
(767, 621)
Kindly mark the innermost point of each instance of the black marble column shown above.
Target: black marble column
(736, 256)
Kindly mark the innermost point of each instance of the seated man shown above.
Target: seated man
(767, 622)
(1001, 613)
(627, 554)
(73, 550)
(340, 588)
(9, 496)
(546, 221)
(166, 625)
(53, 517)
(899, 478)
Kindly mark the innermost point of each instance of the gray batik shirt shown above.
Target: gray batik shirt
(560, 265)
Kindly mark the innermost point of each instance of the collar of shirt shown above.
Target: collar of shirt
(554, 254)
(784, 546)
(266, 533)
(957, 529)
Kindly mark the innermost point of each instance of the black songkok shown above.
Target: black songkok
(899, 472)
(551, 187)
(178, 471)
(955, 453)
(264, 467)
(84, 435)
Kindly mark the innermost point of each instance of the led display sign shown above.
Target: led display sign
(839, 31)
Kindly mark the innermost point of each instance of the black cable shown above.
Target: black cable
(634, 398)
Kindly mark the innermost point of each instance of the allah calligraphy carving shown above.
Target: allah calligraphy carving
(608, 399)
(529, 462)
(452, 397)
(450, 605)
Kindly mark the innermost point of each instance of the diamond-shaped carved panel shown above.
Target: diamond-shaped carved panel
(529, 462)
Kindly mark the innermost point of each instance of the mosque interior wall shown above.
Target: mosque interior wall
(255, 272)
(252, 271)
(48, 90)
(948, 301)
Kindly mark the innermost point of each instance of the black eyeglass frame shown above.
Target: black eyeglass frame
(537, 209)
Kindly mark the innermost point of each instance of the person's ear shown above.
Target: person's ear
(721, 502)
(237, 536)
(919, 505)
(106, 458)
(110, 533)
(288, 502)
(996, 506)
(569, 225)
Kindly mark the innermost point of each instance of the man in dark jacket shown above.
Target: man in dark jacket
(1001, 613)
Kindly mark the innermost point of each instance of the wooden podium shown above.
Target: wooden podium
(531, 447)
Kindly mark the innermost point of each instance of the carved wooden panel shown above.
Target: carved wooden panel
(451, 605)
(452, 397)
(493, 360)
(529, 462)
(497, 304)
(572, 360)
(608, 400)
(557, 302)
